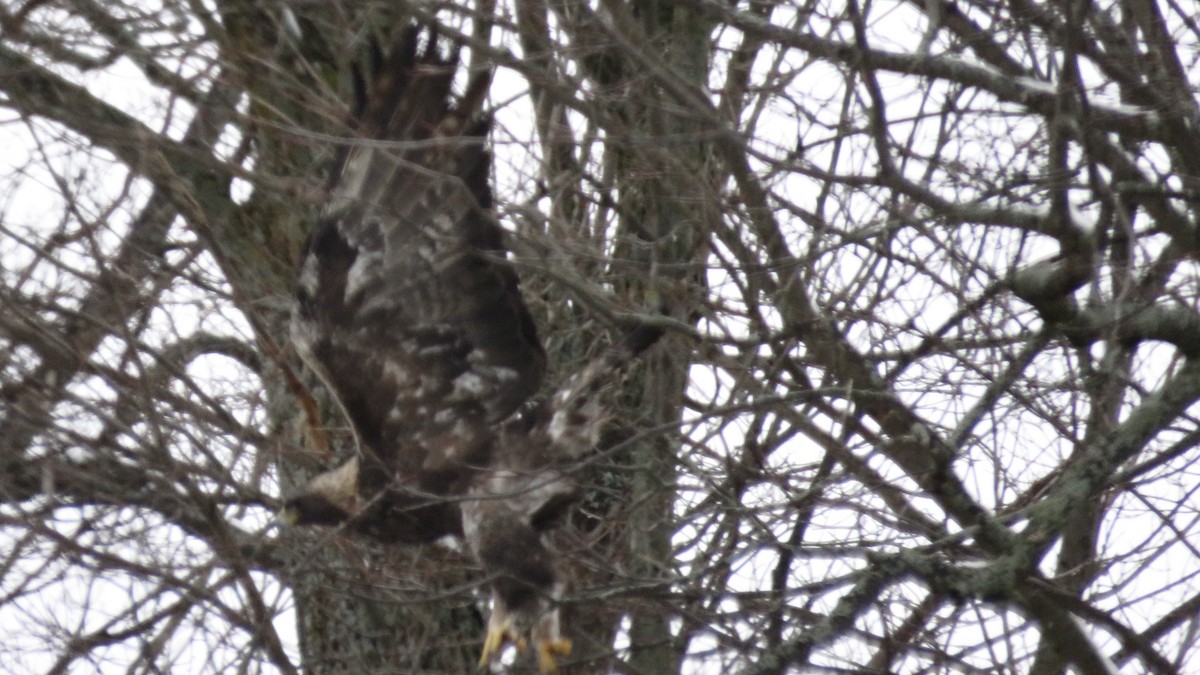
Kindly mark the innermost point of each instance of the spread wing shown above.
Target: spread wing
(409, 312)
(406, 306)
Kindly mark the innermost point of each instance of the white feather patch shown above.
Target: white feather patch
(310, 275)
(365, 268)
(469, 383)
(558, 426)
(395, 372)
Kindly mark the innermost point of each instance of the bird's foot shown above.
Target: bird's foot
(499, 635)
(548, 650)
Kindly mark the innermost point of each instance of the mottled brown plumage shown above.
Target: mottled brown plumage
(410, 314)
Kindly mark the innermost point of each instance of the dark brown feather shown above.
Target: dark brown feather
(409, 312)
(405, 306)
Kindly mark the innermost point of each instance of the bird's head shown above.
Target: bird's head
(330, 498)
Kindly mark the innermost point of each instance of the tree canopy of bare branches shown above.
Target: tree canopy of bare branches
(929, 272)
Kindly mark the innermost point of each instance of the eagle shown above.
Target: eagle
(408, 310)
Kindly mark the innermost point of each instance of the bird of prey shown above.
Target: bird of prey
(409, 312)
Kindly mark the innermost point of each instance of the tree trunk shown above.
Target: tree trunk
(659, 163)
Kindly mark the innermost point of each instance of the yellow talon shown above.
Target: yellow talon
(548, 650)
(549, 644)
(497, 637)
